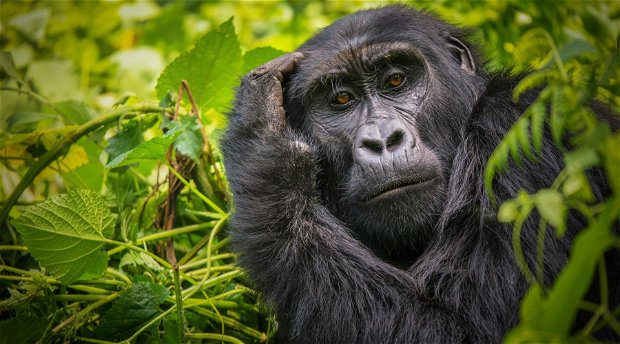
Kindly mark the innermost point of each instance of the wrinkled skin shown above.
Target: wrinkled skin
(356, 165)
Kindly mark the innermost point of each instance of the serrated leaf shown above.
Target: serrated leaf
(66, 234)
(134, 307)
(154, 149)
(23, 330)
(259, 56)
(137, 262)
(74, 112)
(211, 69)
(551, 207)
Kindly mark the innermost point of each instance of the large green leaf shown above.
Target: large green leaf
(66, 234)
(137, 305)
(211, 69)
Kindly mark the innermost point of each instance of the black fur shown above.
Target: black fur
(426, 266)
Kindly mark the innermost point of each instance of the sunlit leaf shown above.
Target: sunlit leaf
(211, 69)
(32, 24)
(551, 207)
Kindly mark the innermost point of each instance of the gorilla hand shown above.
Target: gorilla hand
(268, 159)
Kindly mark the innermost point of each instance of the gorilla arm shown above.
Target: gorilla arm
(325, 285)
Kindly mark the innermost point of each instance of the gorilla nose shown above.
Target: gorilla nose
(376, 139)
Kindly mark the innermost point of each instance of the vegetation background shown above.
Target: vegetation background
(114, 204)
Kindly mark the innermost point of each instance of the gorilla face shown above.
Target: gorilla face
(385, 116)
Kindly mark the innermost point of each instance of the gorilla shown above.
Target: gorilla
(356, 164)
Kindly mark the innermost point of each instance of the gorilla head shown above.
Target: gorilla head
(384, 93)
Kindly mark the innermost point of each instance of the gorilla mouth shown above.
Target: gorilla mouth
(397, 186)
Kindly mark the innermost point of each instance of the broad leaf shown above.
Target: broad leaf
(66, 234)
(154, 149)
(127, 138)
(136, 306)
(211, 69)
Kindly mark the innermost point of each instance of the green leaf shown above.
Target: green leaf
(26, 120)
(75, 112)
(154, 149)
(551, 207)
(212, 68)
(536, 79)
(7, 64)
(55, 79)
(127, 138)
(259, 56)
(524, 137)
(134, 307)
(23, 330)
(136, 263)
(581, 159)
(66, 234)
(32, 24)
(574, 281)
(538, 113)
(508, 211)
(190, 141)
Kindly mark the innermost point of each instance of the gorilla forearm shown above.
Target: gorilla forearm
(325, 286)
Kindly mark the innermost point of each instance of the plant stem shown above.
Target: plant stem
(62, 146)
(85, 311)
(178, 299)
(196, 191)
(162, 235)
(215, 336)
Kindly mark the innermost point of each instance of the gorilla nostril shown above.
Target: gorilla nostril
(394, 140)
(373, 145)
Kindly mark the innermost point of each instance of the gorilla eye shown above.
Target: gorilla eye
(394, 80)
(342, 98)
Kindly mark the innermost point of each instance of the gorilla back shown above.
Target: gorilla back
(357, 167)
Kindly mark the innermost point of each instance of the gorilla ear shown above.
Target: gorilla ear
(462, 53)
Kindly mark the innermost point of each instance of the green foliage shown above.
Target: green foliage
(134, 308)
(113, 196)
(211, 69)
(66, 235)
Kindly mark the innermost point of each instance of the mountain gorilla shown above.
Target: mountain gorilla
(356, 165)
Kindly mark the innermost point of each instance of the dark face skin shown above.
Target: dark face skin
(372, 108)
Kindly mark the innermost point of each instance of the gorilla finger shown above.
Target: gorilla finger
(284, 64)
